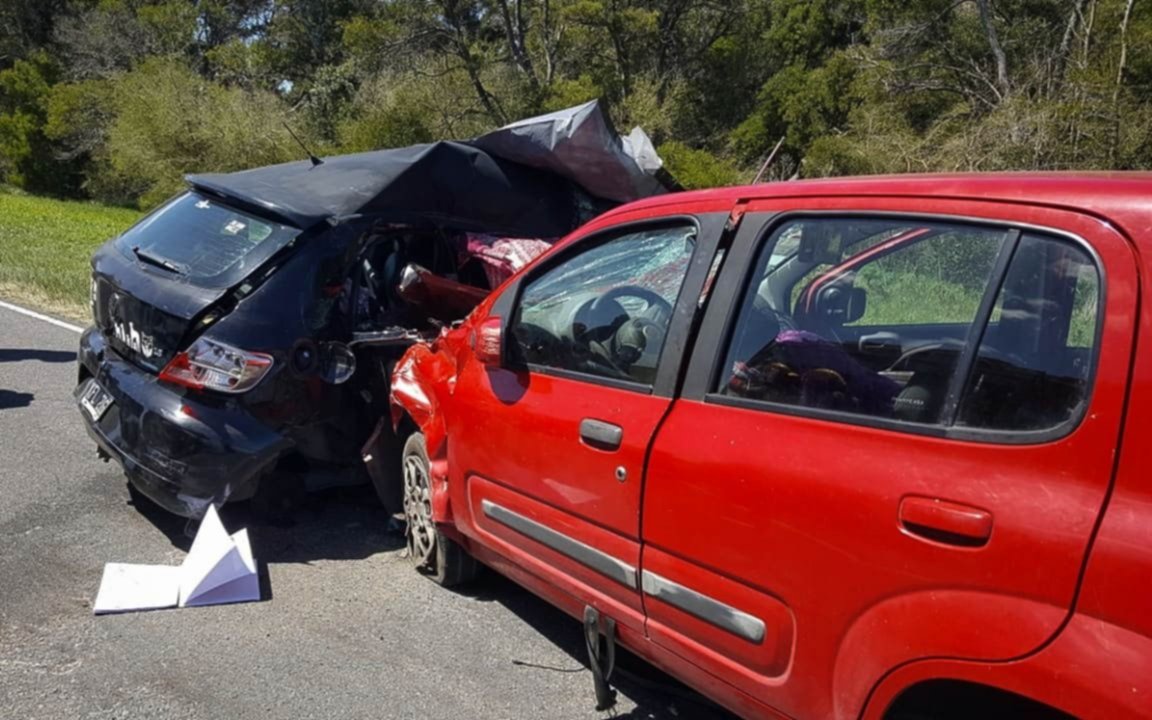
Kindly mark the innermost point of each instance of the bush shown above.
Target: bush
(384, 115)
(697, 168)
(169, 121)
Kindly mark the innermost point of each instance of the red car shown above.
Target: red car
(871, 447)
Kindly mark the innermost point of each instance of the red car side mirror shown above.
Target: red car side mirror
(487, 343)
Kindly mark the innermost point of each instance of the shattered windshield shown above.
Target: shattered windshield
(204, 241)
(656, 260)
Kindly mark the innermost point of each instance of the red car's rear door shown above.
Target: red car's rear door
(909, 467)
(547, 452)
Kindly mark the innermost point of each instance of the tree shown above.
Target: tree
(119, 98)
(26, 27)
(26, 156)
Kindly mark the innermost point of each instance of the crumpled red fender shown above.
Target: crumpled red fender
(421, 377)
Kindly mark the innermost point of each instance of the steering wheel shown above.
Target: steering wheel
(626, 337)
(956, 346)
(634, 339)
(602, 303)
(906, 357)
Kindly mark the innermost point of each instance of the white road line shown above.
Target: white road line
(38, 316)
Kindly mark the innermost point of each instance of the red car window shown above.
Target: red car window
(605, 311)
(873, 317)
(1034, 363)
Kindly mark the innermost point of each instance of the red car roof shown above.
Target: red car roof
(1125, 197)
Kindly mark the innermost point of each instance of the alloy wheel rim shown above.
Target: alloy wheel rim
(421, 533)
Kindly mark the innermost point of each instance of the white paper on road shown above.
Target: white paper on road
(219, 569)
(125, 588)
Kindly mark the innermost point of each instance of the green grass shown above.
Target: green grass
(45, 247)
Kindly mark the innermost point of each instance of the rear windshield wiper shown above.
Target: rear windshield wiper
(163, 262)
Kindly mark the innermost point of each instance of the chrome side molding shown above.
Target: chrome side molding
(725, 617)
(586, 555)
(710, 610)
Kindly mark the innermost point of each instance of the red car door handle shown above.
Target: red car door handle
(945, 522)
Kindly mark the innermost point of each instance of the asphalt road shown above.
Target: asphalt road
(347, 629)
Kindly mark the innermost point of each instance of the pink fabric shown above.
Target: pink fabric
(501, 256)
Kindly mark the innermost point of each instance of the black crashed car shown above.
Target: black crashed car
(244, 332)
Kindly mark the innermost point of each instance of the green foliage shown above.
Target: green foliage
(944, 302)
(78, 115)
(326, 100)
(799, 105)
(117, 99)
(23, 88)
(169, 121)
(16, 129)
(249, 65)
(567, 92)
(26, 156)
(697, 168)
(804, 32)
(385, 117)
(171, 25)
(26, 26)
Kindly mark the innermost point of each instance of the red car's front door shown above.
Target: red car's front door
(886, 459)
(547, 451)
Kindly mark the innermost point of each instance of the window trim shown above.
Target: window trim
(707, 226)
(708, 358)
(966, 361)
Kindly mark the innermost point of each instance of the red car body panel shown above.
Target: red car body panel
(801, 521)
(1092, 669)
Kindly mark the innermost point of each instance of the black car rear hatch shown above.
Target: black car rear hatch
(150, 285)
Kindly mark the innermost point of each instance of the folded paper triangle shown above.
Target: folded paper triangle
(216, 560)
(218, 569)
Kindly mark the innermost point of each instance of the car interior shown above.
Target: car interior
(805, 339)
(605, 313)
(616, 333)
(380, 273)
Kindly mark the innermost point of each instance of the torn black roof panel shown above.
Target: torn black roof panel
(580, 144)
(527, 179)
(449, 183)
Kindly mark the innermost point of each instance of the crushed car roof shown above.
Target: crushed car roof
(535, 178)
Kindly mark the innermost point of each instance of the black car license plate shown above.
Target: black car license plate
(95, 400)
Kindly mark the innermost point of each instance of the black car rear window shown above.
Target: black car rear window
(204, 241)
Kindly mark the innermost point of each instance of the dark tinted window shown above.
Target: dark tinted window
(606, 311)
(204, 241)
(860, 316)
(1034, 364)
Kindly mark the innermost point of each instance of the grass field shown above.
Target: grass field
(45, 246)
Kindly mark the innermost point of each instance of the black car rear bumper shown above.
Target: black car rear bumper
(181, 450)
